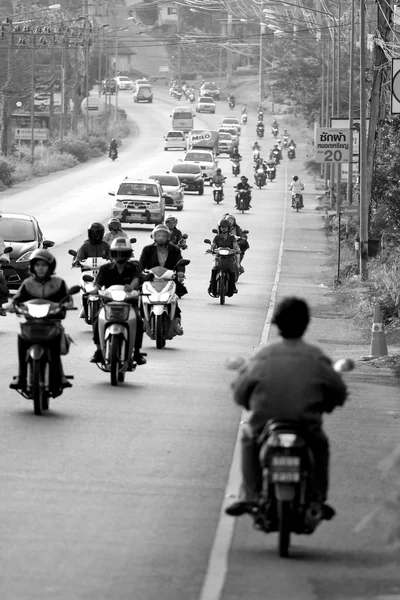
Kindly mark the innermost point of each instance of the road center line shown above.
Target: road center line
(217, 567)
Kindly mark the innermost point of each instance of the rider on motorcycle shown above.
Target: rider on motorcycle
(243, 247)
(120, 271)
(231, 99)
(218, 178)
(256, 146)
(4, 258)
(113, 147)
(244, 111)
(296, 187)
(286, 380)
(243, 185)
(164, 254)
(235, 155)
(94, 246)
(260, 127)
(234, 228)
(225, 240)
(275, 124)
(277, 152)
(45, 285)
(291, 143)
(175, 233)
(114, 230)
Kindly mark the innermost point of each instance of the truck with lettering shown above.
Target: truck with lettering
(203, 139)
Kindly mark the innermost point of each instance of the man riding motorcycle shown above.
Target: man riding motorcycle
(225, 240)
(243, 185)
(275, 124)
(218, 179)
(113, 147)
(234, 228)
(164, 254)
(42, 284)
(287, 380)
(256, 146)
(235, 154)
(176, 234)
(231, 99)
(94, 246)
(120, 271)
(260, 127)
(114, 230)
(4, 258)
(296, 187)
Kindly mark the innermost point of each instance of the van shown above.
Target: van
(182, 118)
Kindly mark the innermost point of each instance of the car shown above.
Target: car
(139, 201)
(226, 142)
(23, 234)
(210, 89)
(233, 132)
(143, 81)
(175, 139)
(143, 93)
(206, 160)
(191, 175)
(205, 104)
(230, 122)
(109, 86)
(123, 82)
(173, 189)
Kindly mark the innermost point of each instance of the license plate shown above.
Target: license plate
(285, 469)
(283, 477)
(285, 461)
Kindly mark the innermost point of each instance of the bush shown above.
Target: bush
(6, 172)
(313, 167)
(77, 146)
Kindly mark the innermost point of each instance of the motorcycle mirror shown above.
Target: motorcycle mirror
(214, 230)
(87, 278)
(245, 231)
(184, 262)
(75, 289)
(234, 363)
(8, 250)
(133, 240)
(344, 364)
(148, 277)
(185, 236)
(72, 252)
(111, 193)
(207, 241)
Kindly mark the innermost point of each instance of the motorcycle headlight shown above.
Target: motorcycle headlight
(118, 295)
(38, 311)
(25, 257)
(164, 297)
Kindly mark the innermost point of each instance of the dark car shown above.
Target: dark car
(109, 86)
(23, 234)
(210, 89)
(191, 175)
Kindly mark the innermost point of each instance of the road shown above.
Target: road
(116, 493)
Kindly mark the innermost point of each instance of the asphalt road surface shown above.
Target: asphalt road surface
(116, 493)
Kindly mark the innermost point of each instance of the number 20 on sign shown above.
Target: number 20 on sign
(332, 145)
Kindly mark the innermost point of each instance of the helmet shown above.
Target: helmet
(158, 229)
(45, 255)
(230, 218)
(114, 224)
(120, 249)
(295, 178)
(223, 223)
(96, 232)
(219, 171)
(172, 220)
(243, 177)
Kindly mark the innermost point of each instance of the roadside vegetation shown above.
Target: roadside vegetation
(76, 148)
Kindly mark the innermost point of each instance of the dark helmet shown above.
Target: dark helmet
(291, 317)
(114, 224)
(120, 249)
(96, 232)
(45, 255)
(224, 223)
(219, 171)
(295, 178)
(243, 177)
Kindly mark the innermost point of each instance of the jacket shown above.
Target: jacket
(222, 241)
(288, 380)
(218, 179)
(112, 235)
(89, 249)
(149, 257)
(176, 236)
(3, 257)
(53, 288)
(296, 186)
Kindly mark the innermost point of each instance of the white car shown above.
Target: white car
(139, 201)
(230, 123)
(206, 160)
(123, 82)
(175, 139)
(205, 104)
(173, 189)
(225, 143)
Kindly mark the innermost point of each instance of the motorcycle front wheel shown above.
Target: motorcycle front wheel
(114, 359)
(39, 394)
(222, 284)
(159, 332)
(285, 527)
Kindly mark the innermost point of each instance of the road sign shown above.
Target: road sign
(163, 69)
(92, 106)
(26, 134)
(332, 145)
(395, 101)
(350, 210)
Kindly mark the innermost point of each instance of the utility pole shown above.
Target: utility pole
(261, 65)
(364, 204)
(351, 93)
(229, 52)
(179, 49)
(86, 30)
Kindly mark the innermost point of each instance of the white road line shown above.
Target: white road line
(217, 568)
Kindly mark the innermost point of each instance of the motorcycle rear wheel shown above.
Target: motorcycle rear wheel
(285, 526)
(114, 359)
(39, 395)
(159, 332)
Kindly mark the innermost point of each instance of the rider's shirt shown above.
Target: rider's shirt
(52, 288)
(112, 235)
(223, 241)
(89, 250)
(296, 186)
(109, 275)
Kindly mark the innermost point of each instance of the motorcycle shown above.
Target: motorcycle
(275, 131)
(256, 154)
(244, 119)
(191, 97)
(260, 177)
(235, 166)
(159, 303)
(260, 132)
(232, 104)
(89, 299)
(277, 156)
(260, 116)
(287, 503)
(223, 261)
(297, 202)
(40, 327)
(271, 172)
(291, 153)
(243, 200)
(176, 94)
(285, 141)
(218, 192)
(113, 154)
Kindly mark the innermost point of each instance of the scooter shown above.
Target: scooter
(261, 116)
(260, 132)
(41, 326)
(244, 119)
(256, 154)
(260, 177)
(235, 166)
(113, 154)
(297, 202)
(243, 200)
(223, 262)
(275, 131)
(285, 141)
(218, 192)
(232, 104)
(291, 153)
(159, 304)
(271, 172)
(89, 299)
